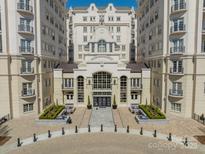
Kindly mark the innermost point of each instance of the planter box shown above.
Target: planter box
(114, 106)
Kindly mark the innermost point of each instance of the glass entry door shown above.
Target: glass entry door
(102, 102)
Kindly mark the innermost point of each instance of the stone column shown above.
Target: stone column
(96, 47)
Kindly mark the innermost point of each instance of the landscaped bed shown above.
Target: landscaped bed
(152, 112)
(52, 112)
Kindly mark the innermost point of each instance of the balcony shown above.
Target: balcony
(177, 50)
(28, 93)
(27, 71)
(175, 71)
(178, 30)
(178, 8)
(176, 93)
(24, 8)
(26, 50)
(25, 29)
(136, 88)
(66, 88)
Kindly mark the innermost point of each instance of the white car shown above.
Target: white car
(134, 107)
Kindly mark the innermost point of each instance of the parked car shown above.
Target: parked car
(134, 108)
(69, 107)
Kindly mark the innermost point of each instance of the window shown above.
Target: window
(110, 18)
(101, 46)
(80, 85)
(118, 18)
(93, 47)
(27, 89)
(85, 39)
(123, 89)
(135, 82)
(85, 19)
(118, 29)
(28, 107)
(118, 38)
(84, 29)
(111, 46)
(177, 66)
(123, 47)
(0, 43)
(26, 66)
(176, 107)
(68, 83)
(80, 48)
(102, 80)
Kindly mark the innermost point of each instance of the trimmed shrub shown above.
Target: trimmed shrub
(52, 112)
(152, 112)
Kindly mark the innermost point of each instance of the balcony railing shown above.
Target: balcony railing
(27, 71)
(176, 92)
(177, 50)
(177, 71)
(25, 29)
(26, 50)
(139, 87)
(178, 29)
(65, 87)
(28, 93)
(24, 7)
(177, 8)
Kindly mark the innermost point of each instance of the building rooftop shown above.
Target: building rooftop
(136, 67)
(67, 67)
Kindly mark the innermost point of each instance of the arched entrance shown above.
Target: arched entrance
(102, 89)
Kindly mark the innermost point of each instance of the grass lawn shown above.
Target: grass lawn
(152, 112)
(52, 112)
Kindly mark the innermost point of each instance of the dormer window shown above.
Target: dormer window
(92, 8)
(110, 8)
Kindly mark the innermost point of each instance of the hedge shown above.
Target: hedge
(152, 112)
(52, 112)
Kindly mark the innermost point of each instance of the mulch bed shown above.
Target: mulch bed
(201, 139)
(4, 139)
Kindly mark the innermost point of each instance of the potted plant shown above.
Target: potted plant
(89, 106)
(114, 105)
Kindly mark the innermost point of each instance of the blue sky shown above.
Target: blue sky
(77, 3)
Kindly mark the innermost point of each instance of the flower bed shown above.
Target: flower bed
(152, 112)
(52, 112)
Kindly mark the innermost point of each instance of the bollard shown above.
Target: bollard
(128, 129)
(170, 137)
(101, 128)
(18, 142)
(49, 134)
(155, 133)
(141, 131)
(186, 142)
(115, 128)
(89, 128)
(34, 137)
(63, 131)
(76, 129)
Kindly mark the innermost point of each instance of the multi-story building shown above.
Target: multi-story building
(171, 41)
(34, 41)
(103, 66)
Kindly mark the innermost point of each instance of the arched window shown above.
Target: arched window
(123, 89)
(102, 80)
(101, 46)
(80, 84)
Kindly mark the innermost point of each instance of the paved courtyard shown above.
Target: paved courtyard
(25, 127)
(101, 116)
(104, 143)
